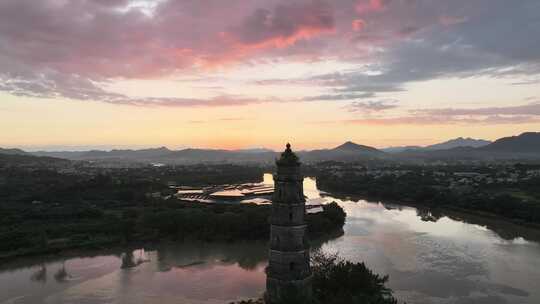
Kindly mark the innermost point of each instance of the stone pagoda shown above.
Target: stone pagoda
(288, 272)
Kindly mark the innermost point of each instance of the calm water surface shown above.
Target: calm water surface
(431, 258)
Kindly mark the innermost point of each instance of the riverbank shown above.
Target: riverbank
(169, 221)
(416, 192)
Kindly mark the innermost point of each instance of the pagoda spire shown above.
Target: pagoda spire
(288, 273)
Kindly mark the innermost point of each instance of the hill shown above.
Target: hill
(348, 151)
(356, 148)
(27, 160)
(12, 151)
(400, 149)
(459, 142)
(524, 146)
(450, 144)
(525, 143)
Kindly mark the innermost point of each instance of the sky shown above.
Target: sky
(82, 74)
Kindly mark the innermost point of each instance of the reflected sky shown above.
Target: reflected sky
(430, 257)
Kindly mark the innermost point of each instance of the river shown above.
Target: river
(430, 257)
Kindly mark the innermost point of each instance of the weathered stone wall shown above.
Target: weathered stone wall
(288, 215)
(283, 238)
(289, 192)
(279, 291)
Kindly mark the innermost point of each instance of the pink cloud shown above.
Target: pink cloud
(284, 25)
(53, 48)
(98, 39)
(520, 114)
(358, 25)
(368, 6)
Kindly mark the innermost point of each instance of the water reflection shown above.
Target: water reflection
(170, 273)
(247, 256)
(432, 256)
(504, 229)
(132, 258)
(61, 274)
(439, 260)
(40, 275)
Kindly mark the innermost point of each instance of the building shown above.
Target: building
(288, 273)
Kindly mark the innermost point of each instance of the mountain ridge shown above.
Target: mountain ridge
(526, 145)
(352, 147)
(459, 142)
(528, 142)
(449, 144)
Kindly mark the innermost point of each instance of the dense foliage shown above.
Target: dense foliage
(336, 281)
(45, 211)
(519, 201)
(331, 219)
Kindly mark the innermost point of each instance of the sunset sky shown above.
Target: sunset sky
(78, 74)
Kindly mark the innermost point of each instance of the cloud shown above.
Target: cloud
(218, 101)
(452, 20)
(413, 41)
(285, 24)
(52, 48)
(368, 6)
(337, 97)
(528, 109)
(523, 114)
(358, 25)
(57, 85)
(372, 106)
(85, 41)
(434, 120)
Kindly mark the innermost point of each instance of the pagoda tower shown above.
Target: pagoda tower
(288, 272)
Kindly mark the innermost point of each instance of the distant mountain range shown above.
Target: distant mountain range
(12, 151)
(165, 155)
(460, 142)
(15, 157)
(525, 143)
(451, 144)
(526, 146)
